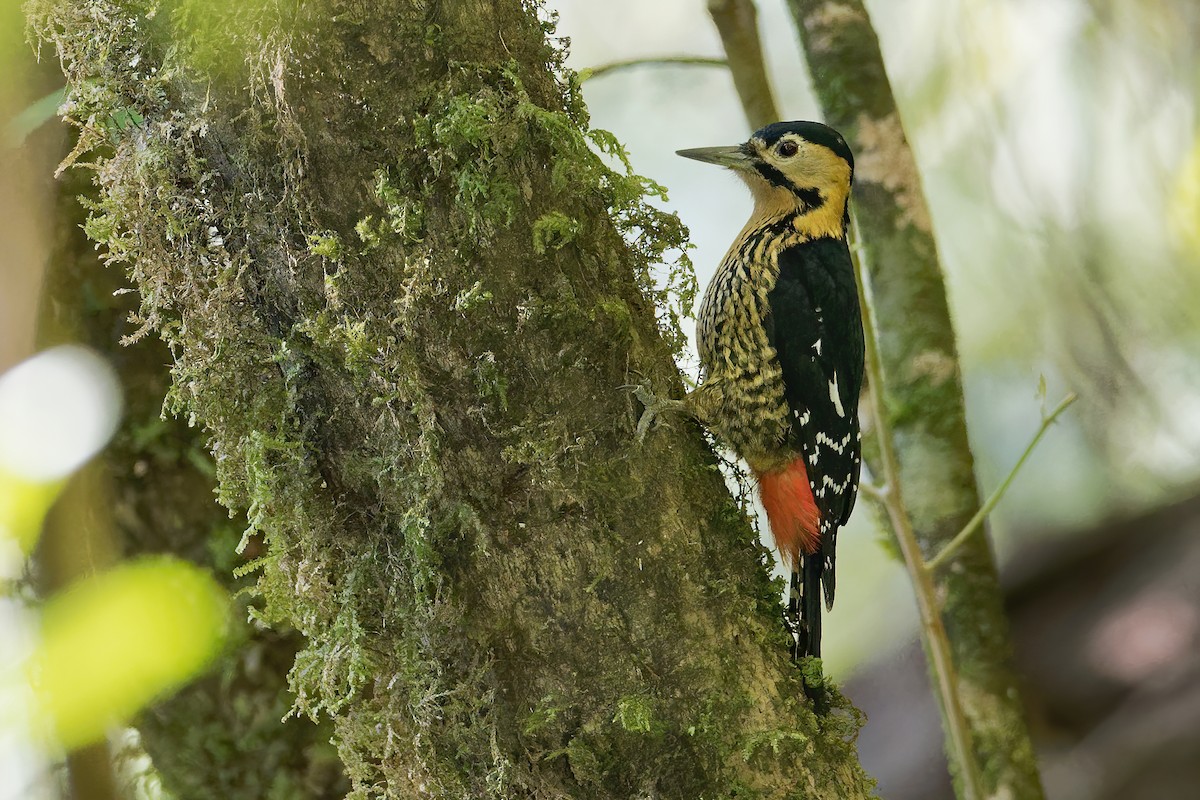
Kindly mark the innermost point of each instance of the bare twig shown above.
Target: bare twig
(871, 490)
(922, 405)
(658, 61)
(737, 22)
(932, 630)
(977, 521)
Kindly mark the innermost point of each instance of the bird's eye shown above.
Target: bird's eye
(787, 149)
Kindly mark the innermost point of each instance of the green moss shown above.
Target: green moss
(490, 382)
(326, 245)
(546, 714)
(402, 218)
(100, 228)
(472, 297)
(221, 735)
(636, 715)
(585, 765)
(369, 233)
(617, 318)
(553, 231)
(779, 742)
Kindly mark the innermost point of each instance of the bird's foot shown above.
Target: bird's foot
(652, 408)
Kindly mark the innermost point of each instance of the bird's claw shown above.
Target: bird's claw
(652, 408)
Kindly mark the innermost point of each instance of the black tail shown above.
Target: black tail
(792, 615)
(804, 618)
(804, 606)
(810, 603)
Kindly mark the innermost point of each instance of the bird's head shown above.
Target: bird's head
(790, 166)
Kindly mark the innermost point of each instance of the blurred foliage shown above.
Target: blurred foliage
(33, 117)
(23, 506)
(1185, 204)
(114, 642)
(1056, 141)
(109, 643)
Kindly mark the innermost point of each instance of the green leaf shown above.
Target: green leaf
(114, 642)
(33, 117)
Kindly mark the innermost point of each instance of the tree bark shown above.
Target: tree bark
(737, 24)
(152, 492)
(923, 392)
(402, 295)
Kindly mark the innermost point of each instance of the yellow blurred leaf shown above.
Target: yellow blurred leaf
(1184, 209)
(113, 643)
(23, 506)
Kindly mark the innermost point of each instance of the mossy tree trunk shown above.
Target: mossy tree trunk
(923, 390)
(153, 492)
(402, 296)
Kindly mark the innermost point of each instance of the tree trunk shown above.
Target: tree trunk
(923, 382)
(402, 295)
(153, 493)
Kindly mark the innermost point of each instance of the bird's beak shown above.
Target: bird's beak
(735, 157)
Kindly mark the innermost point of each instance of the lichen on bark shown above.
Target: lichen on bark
(402, 293)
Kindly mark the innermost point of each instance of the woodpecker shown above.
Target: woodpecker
(780, 341)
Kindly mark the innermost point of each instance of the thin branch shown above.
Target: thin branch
(977, 521)
(932, 630)
(658, 61)
(877, 493)
(737, 23)
(909, 302)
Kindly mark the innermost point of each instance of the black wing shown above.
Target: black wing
(815, 326)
